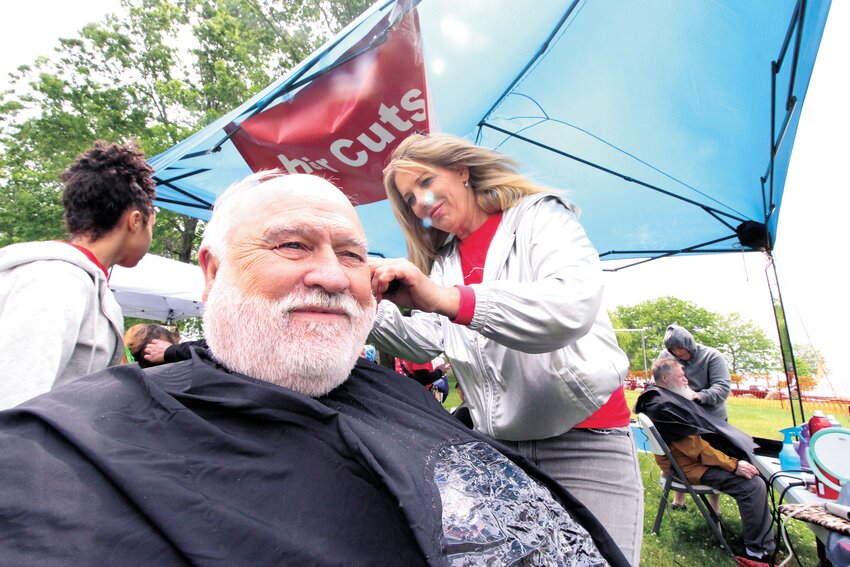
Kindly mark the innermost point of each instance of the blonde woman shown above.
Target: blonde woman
(502, 278)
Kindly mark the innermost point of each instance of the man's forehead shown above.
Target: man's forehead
(297, 202)
(300, 186)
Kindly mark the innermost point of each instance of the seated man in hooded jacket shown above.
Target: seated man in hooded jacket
(709, 451)
(276, 446)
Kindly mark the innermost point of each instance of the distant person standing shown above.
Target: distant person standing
(705, 368)
(58, 317)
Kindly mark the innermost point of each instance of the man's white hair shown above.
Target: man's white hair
(219, 225)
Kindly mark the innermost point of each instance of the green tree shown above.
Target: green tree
(744, 345)
(654, 316)
(807, 360)
(156, 73)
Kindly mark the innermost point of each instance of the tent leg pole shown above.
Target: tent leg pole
(790, 368)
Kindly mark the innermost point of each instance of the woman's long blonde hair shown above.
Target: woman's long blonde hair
(492, 178)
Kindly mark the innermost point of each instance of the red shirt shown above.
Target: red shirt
(473, 254)
(613, 413)
(473, 249)
(90, 255)
(411, 366)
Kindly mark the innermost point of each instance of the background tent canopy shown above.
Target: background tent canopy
(669, 123)
(159, 289)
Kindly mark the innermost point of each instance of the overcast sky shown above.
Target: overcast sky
(809, 251)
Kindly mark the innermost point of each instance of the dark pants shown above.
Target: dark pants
(751, 496)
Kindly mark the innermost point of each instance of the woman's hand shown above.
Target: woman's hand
(404, 284)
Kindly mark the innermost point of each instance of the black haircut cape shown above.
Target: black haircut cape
(676, 417)
(188, 463)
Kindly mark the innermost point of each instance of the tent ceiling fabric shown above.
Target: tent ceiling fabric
(654, 117)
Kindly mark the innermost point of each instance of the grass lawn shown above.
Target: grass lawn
(684, 538)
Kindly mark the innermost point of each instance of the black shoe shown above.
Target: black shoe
(678, 507)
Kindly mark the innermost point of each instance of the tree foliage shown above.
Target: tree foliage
(653, 316)
(745, 346)
(806, 360)
(157, 72)
(809, 364)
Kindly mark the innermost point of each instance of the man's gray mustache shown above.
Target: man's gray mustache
(317, 300)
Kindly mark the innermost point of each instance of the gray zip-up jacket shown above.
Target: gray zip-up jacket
(58, 319)
(540, 354)
(706, 370)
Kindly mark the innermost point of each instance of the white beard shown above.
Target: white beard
(683, 391)
(254, 336)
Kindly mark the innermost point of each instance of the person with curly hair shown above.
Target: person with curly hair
(56, 294)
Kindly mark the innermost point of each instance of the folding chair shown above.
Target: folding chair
(677, 482)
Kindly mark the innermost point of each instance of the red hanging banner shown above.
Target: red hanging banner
(344, 124)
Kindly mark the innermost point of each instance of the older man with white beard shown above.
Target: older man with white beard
(277, 446)
(709, 451)
(307, 264)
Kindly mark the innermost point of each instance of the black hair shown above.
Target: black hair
(102, 184)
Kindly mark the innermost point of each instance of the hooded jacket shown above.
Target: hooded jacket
(58, 319)
(539, 355)
(706, 370)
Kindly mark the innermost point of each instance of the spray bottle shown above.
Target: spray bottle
(803, 447)
(789, 460)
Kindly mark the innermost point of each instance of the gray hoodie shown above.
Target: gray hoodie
(58, 319)
(706, 370)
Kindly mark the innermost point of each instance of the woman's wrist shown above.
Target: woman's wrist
(448, 303)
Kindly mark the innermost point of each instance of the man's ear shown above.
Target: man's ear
(209, 266)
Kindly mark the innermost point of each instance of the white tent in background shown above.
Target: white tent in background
(159, 289)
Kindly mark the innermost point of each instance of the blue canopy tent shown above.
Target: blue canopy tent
(689, 108)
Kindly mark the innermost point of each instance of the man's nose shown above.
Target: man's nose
(327, 273)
